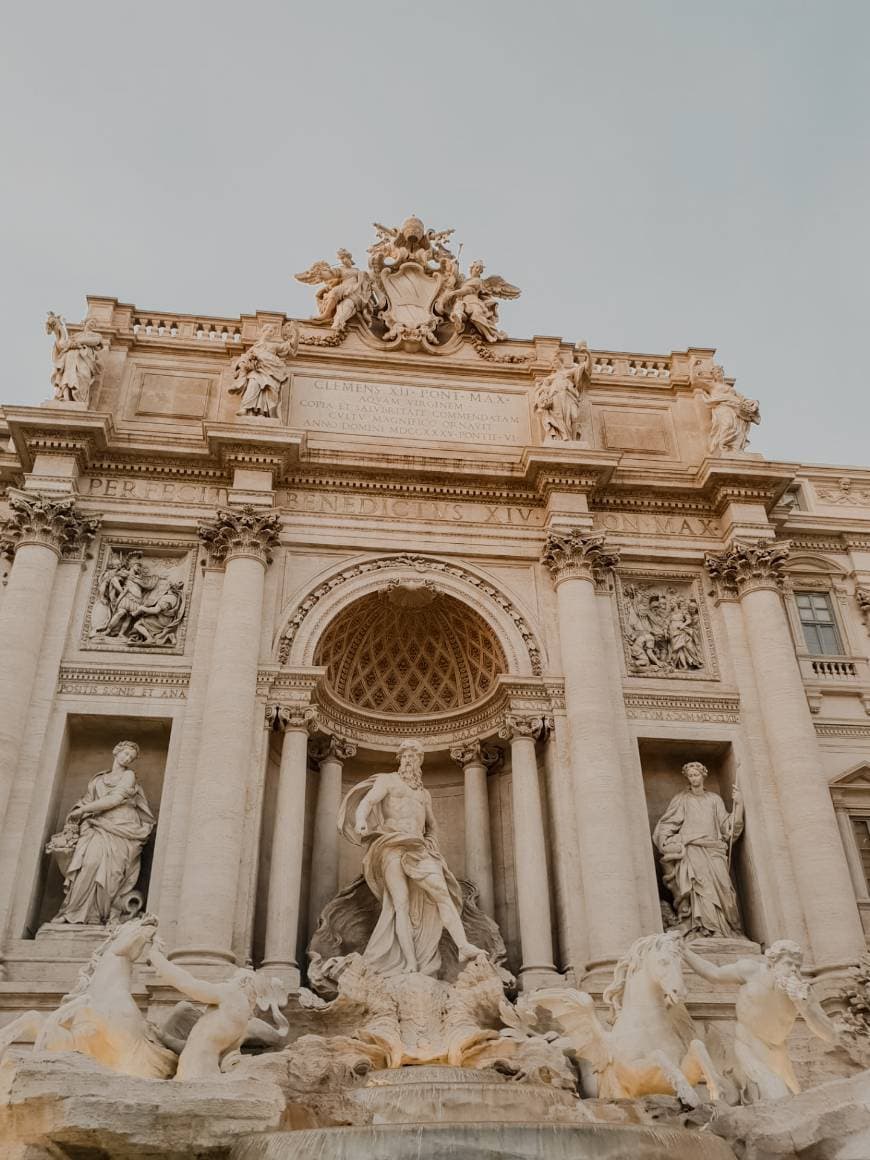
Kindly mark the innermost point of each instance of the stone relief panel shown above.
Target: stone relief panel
(665, 626)
(140, 596)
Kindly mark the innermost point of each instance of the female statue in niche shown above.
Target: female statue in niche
(101, 843)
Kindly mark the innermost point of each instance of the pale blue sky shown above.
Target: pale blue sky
(652, 174)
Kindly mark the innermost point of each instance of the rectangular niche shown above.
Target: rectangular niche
(140, 596)
(665, 625)
(87, 751)
(662, 760)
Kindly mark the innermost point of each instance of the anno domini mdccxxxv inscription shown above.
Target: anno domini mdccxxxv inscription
(409, 411)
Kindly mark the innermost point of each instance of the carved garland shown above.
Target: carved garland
(419, 564)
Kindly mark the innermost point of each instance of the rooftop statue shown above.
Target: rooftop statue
(557, 396)
(262, 370)
(731, 413)
(413, 294)
(76, 359)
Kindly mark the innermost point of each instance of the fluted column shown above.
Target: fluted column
(475, 760)
(242, 540)
(530, 853)
(575, 560)
(331, 754)
(755, 573)
(296, 723)
(40, 532)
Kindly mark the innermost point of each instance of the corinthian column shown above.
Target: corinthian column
(754, 573)
(575, 560)
(475, 759)
(296, 723)
(331, 755)
(530, 853)
(241, 540)
(40, 532)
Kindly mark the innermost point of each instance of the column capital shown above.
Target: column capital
(246, 532)
(578, 555)
(476, 753)
(283, 718)
(745, 566)
(329, 746)
(52, 521)
(516, 725)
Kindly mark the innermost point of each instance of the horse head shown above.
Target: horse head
(656, 958)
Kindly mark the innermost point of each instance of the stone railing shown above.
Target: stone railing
(631, 367)
(215, 331)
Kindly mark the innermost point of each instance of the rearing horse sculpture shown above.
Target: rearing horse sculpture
(652, 1047)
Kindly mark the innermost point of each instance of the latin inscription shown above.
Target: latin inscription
(650, 524)
(409, 412)
(399, 508)
(165, 491)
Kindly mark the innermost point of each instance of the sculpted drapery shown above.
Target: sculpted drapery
(106, 830)
(693, 837)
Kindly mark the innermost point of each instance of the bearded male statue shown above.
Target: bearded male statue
(391, 815)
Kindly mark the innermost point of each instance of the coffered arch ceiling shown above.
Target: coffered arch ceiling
(410, 649)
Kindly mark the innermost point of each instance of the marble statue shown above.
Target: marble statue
(230, 1020)
(731, 413)
(345, 294)
(100, 845)
(137, 606)
(76, 359)
(261, 371)
(557, 398)
(652, 1047)
(472, 301)
(694, 837)
(100, 1017)
(772, 994)
(662, 630)
(391, 815)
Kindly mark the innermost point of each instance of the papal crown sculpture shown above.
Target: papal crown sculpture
(413, 294)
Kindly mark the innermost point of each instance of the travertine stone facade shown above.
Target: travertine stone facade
(266, 552)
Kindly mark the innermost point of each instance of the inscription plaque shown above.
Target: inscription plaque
(408, 411)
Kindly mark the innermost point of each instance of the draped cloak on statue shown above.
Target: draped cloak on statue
(699, 878)
(420, 858)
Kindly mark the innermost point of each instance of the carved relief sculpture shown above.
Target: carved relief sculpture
(136, 606)
(99, 848)
(76, 359)
(773, 993)
(557, 397)
(731, 413)
(261, 371)
(413, 295)
(694, 837)
(391, 814)
(661, 629)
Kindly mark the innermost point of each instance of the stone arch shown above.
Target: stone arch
(339, 587)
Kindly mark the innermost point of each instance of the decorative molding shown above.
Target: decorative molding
(577, 555)
(679, 707)
(246, 532)
(514, 726)
(745, 566)
(476, 753)
(841, 729)
(331, 747)
(54, 522)
(84, 680)
(418, 564)
(696, 620)
(292, 716)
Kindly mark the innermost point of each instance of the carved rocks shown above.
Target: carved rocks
(139, 601)
(413, 294)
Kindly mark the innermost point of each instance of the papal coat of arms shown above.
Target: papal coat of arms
(413, 294)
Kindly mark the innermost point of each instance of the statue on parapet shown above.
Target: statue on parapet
(732, 414)
(557, 397)
(345, 294)
(76, 359)
(773, 993)
(261, 371)
(391, 815)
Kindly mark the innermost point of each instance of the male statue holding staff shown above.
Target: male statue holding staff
(391, 814)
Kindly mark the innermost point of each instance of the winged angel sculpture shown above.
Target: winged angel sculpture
(413, 294)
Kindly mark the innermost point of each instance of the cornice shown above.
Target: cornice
(115, 681)
(58, 430)
(656, 706)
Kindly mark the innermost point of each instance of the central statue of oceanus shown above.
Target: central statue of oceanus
(391, 815)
